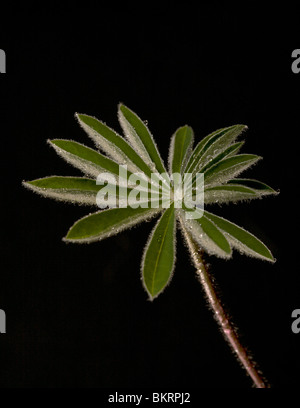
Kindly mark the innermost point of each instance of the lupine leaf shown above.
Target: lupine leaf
(71, 189)
(212, 145)
(112, 144)
(215, 156)
(229, 168)
(159, 256)
(208, 236)
(140, 138)
(180, 149)
(106, 223)
(240, 239)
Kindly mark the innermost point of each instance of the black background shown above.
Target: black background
(77, 316)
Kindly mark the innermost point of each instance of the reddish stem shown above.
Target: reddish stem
(220, 314)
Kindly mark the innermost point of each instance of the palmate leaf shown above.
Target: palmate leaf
(106, 223)
(216, 156)
(159, 256)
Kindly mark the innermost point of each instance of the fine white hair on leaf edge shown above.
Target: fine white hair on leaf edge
(150, 237)
(112, 230)
(85, 166)
(68, 196)
(106, 146)
(203, 240)
(134, 140)
(232, 172)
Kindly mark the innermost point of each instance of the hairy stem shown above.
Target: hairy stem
(220, 314)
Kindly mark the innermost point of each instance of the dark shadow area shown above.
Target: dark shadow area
(78, 316)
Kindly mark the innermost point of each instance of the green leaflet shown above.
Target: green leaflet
(229, 152)
(240, 239)
(226, 193)
(113, 144)
(106, 223)
(140, 138)
(229, 168)
(84, 191)
(212, 145)
(233, 192)
(72, 189)
(218, 144)
(65, 183)
(258, 186)
(207, 235)
(91, 162)
(84, 158)
(232, 150)
(196, 154)
(159, 256)
(180, 149)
